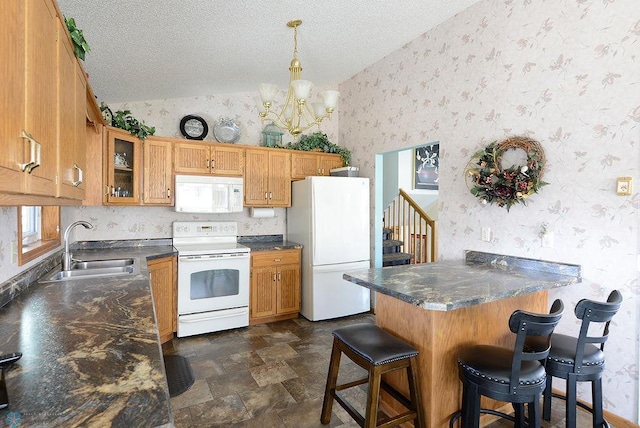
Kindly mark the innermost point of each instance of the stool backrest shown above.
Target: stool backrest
(591, 311)
(533, 337)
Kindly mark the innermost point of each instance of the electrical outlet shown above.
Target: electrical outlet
(547, 240)
(486, 234)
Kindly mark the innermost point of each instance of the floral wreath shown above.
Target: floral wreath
(510, 186)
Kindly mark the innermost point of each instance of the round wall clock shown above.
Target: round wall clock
(193, 127)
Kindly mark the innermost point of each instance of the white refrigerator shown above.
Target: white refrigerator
(329, 216)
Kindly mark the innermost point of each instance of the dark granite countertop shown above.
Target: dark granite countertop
(480, 278)
(91, 354)
(267, 243)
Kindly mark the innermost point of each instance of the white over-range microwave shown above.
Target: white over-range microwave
(205, 194)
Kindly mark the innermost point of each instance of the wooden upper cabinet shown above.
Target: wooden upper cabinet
(267, 178)
(328, 162)
(79, 166)
(42, 131)
(192, 158)
(71, 95)
(206, 158)
(279, 179)
(41, 95)
(12, 102)
(227, 160)
(122, 177)
(157, 178)
(29, 97)
(306, 164)
(303, 165)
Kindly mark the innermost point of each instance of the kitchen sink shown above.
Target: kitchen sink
(101, 264)
(81, 269)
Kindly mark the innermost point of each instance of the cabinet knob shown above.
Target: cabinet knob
(168, 193)
(277, 260)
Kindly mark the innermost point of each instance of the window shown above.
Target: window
(38, 231)
(31, 225)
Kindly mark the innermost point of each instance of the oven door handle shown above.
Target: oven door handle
(213, 257)
(213, 315)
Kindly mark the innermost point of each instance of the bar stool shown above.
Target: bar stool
(378, 352)
(580, 359)
(513, 375)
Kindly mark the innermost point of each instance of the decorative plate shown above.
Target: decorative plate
(193, 127)
(226, 130)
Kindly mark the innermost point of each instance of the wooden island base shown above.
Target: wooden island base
(438, 335)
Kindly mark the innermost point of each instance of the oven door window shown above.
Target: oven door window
(214, 283)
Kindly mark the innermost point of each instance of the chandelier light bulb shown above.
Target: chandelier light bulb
(268, 92)
(319, 110)
(301, 88)
(288, 112)
(330, 98)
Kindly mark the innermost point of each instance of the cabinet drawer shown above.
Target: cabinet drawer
(275, 258)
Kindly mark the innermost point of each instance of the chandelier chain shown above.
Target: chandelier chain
(295, 42)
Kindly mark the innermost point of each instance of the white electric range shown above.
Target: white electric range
(213, 277)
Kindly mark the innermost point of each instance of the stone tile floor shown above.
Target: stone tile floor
(273, 375)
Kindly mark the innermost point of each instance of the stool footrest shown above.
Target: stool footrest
(349, 408)
(580, 404)
(352, 384)
(388, 421)
(399, 397)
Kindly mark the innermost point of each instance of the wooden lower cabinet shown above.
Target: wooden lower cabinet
(275, 286)
(162, 273)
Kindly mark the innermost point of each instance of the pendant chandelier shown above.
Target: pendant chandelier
(297, 114)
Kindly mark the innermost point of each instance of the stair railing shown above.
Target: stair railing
(410, 224)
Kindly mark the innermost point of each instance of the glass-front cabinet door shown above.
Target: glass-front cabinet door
(122, 181)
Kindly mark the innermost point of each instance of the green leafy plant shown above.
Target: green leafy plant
(123, 119)
(80, 45)
(319, 141)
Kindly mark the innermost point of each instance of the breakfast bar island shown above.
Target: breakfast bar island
(438, 307)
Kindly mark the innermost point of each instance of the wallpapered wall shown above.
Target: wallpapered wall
(562, 72)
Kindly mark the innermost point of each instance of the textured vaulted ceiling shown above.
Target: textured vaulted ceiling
(152, 49)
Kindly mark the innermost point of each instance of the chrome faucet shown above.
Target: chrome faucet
(66, 255)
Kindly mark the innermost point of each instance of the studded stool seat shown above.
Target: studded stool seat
(378, 352)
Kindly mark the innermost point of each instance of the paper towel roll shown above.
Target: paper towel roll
(263, 212)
